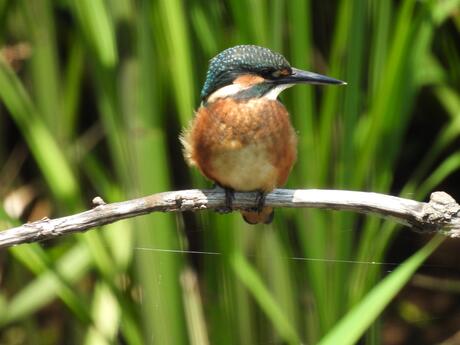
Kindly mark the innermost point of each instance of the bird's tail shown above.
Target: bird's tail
(265, 216)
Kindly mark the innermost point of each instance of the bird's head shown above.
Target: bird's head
(249, 71)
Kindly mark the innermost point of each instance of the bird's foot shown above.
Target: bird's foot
(229, 197)
(259, 213)
(260, 201)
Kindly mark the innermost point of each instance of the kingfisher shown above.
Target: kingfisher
(241, 136)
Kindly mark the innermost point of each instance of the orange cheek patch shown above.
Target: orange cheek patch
(248, 80)
(285, 72)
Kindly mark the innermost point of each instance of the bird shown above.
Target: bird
(241, 136)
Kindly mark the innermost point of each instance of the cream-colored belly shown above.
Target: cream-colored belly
(245, 168)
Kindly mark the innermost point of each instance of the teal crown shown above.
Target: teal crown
(230, 63)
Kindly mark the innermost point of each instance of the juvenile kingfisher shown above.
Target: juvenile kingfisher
(241, 137)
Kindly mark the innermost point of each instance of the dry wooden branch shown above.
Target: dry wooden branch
(440, 214)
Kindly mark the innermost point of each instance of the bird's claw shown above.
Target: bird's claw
(260, 202)
(229, 197)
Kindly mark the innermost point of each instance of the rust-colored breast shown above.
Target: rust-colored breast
(245, 145)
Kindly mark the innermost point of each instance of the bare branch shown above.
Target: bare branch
(441, 214)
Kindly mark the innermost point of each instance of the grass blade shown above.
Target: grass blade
(355, 323)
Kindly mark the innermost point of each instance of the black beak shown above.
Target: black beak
(304, 77)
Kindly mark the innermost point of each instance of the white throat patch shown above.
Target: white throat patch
(233, 89)
(273, 93)
(226, 91)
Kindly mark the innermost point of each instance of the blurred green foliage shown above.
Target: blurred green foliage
(94, 94)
